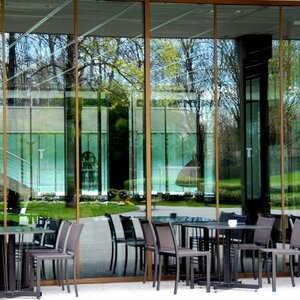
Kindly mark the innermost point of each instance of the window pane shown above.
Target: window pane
(111, 75)
(182, 109)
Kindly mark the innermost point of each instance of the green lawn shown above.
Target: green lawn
(58, 210)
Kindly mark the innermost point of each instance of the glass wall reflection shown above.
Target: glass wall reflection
(182, 109)
(41, 112)
(40, 81)
(111, 85)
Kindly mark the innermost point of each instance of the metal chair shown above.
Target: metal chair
(115, 241)
(69, 252)
(292, 251)
(59, 247)
(131, 240)
(150, 246)
(167, 246)
(261, 239)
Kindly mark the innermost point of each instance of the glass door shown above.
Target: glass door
(253, 165)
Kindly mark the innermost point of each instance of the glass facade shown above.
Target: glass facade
(224, 100)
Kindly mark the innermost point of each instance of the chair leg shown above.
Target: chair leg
(141, 257)
(155, 269)
(188, 270)
(54, 269)
(274, 260)
(38, 279)
(192, 277)
(126, 257)
(208, 260)
(60, 274)
(177, 275)
(116, 257)
(75, 276)
(235, 264)
(111, 256)
(135, 259)
(145, 266)
(242, 261)
(260, 269)
(292, 269)
(159, 273)
(253, 264)
(66, 274)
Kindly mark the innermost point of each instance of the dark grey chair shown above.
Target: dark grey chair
(292, 251)
(61, 238)
(167, 246)
(261, 239)
(69, 252)
(131, 240)
(115, 241)
(150, 246)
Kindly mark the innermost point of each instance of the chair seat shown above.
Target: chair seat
(278, 251)
(184, 252)
(249, 246)
(52, 255)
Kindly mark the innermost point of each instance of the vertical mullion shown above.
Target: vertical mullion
(216, 110)
(147, 108)
(76, 109)
(4, 115)
(281, 106)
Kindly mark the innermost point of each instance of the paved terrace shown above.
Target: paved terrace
(140, 291)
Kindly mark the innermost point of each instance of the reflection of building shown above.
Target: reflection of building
(47, 141)
(48, 144)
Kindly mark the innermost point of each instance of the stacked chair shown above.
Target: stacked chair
(65, 250)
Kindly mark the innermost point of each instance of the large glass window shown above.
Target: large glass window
(44, 62)
(40, 80)
(182, 108)
(111, 85)
(291, 101)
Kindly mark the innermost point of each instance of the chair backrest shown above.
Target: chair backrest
(148, 233)
(128, 228)
(111, 225)
(262, 236)
(38, 238)
(51, 238)
(73, 237)
(165, 237)
(62, 235)
(295, 237)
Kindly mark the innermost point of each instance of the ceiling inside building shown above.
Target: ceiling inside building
(167, 20)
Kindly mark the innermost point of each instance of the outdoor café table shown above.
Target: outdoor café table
(228, 280)
(8, 237)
